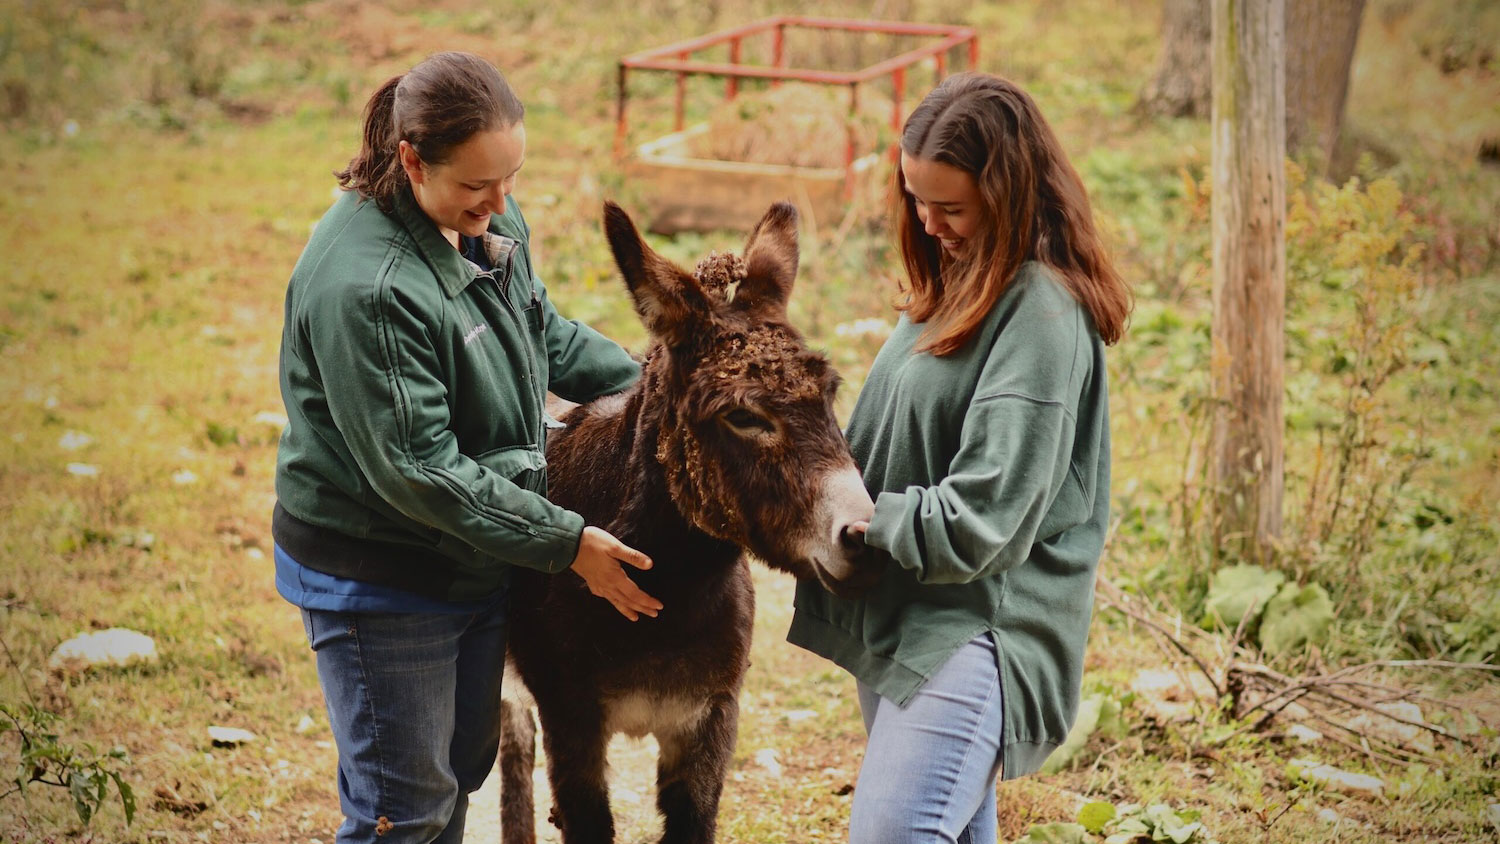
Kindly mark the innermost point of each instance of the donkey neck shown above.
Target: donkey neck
(664, 512)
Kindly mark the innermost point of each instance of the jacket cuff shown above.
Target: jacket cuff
(574, 525)
(549, 549)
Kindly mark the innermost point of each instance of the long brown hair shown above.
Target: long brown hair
(435, 106)
(1034, 208)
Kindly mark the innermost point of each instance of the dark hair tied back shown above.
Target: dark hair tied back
(435, 106)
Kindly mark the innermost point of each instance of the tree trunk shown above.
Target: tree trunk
(1320, 39)
(1182, 86)
(1320, 36)
(1249, 272)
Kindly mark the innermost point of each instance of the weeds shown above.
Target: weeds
(43, 758)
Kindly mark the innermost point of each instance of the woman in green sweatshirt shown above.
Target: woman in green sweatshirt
(983, 431)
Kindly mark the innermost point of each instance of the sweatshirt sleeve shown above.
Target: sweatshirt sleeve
(390, 403)
(1014, 455)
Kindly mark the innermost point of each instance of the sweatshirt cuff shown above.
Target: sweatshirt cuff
(891, 517)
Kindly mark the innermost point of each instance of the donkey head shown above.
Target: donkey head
(747, 437)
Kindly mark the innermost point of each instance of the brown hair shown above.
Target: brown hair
(1034, 208)
(435, 106)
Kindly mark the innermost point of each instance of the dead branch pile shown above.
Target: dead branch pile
(1349, 705)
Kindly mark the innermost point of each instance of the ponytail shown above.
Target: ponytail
(376, 170)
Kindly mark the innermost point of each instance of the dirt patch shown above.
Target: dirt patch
(375, 34)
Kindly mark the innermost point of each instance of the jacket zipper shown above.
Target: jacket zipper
(503, 284)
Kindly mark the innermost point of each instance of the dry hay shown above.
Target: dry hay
(796, 125)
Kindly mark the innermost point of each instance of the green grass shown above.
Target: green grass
(145, 261)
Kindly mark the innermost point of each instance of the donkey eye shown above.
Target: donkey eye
(747, 422)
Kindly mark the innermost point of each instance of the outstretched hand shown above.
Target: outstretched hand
(599, 563)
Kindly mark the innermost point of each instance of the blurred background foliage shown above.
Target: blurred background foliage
(163, 161)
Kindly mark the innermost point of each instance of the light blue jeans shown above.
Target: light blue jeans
(929, 769)
(414, 702)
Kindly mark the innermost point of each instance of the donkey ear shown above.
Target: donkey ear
(669, 301)
(770, 261)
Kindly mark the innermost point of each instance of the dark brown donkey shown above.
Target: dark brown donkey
(727, 444)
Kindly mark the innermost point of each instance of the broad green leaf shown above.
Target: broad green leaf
(82, 800)
(127, 797)
(1095, 815)
(1237, 591)
(1296, 617)
(1055, 833)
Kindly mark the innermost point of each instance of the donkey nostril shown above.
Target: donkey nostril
(850, 540)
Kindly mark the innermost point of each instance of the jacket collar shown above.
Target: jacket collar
(453, 271)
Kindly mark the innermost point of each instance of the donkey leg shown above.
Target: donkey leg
(690, 773)
(576, 745)
(517, 761)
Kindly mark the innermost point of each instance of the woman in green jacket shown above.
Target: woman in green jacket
(983, 433)
(416, 354)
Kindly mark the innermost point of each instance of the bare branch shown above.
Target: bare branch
(1113, 597)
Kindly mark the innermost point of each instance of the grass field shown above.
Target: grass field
(164, 161)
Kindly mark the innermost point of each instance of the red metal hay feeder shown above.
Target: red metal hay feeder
(696, 194)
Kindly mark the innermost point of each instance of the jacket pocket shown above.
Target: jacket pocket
(522, 465)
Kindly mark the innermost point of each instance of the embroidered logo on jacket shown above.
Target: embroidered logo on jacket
(474, 333)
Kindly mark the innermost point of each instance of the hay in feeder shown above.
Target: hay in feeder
(795, 125)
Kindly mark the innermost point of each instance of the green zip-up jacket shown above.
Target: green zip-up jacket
(990, 473)
(414, 386)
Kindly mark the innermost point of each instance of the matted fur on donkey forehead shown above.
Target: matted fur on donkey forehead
(771, 359)
(768, 356)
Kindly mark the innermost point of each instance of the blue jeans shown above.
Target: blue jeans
(414, 702)
(929, 769)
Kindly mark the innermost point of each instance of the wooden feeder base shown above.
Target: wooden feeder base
(683, 193)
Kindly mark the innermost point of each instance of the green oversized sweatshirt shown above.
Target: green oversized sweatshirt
(990, 473)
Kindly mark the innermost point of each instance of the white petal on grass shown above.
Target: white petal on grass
(83, 470)
(766, 759)
(184, 477)
(796, 715)
(229, 736)
(1303, 734)
(1336, 779)
(275, 420)
(74, 440)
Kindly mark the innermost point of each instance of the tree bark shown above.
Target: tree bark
(1320, 39)
(1320, 36)
(1249, 273)
(1182, 86)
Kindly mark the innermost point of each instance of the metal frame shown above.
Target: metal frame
(677, 58)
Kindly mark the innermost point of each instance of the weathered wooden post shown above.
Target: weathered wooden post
(1249, 273)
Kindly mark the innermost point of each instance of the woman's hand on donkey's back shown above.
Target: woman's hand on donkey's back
(599, 560)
